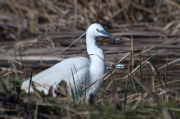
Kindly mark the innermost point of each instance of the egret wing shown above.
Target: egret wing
(70, 70)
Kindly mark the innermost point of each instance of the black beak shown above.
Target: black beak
(109, 35)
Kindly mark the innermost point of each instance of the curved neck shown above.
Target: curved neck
(92, 48)
(97, 65)
(91, 44)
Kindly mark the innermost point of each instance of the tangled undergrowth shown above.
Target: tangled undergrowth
(16, 103)
(32, 29)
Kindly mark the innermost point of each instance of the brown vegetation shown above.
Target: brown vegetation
(30, 31)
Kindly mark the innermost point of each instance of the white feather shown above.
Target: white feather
(80, 69)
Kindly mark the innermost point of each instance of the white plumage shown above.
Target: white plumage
(78, 69)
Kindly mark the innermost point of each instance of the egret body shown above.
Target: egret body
(82, 70)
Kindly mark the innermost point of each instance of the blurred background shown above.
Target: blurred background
(32, 30)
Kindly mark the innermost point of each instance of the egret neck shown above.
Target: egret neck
(97, 65)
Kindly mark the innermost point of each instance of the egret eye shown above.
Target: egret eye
(97, 30)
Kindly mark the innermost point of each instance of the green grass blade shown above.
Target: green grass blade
(153, 83)
(72, 92)
(125, 93)
(165, 76)
(6, 85)
(140, 71)
(134, 84)
(76, 91)
(80, 92)
(30, 81)
(152, 62)
(17, 78)
(36, 112)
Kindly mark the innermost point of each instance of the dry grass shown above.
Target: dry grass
(33, 30)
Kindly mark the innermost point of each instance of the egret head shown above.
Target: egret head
(97, 30)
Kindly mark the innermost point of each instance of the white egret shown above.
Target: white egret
(80, 70)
